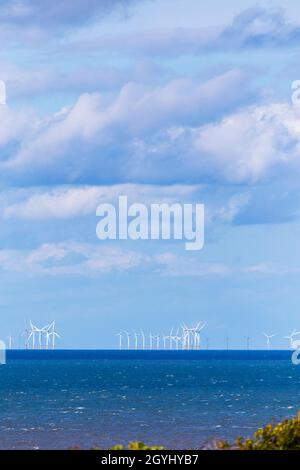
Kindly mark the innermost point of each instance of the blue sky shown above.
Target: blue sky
(162, 100)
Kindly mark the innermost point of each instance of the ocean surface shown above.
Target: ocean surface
(179, 399)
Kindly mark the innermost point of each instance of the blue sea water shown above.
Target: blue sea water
(180, 399)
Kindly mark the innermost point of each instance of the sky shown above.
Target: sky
(162, 101)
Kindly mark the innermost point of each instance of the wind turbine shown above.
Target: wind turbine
(48, 336)
(157, 337)
(24, 333)
(128, 339)
(191, 336)
(269, 339)
(198, 330)
(52, 333)
(120, 339)
(32, 334)
(151, 337)
(41, 331)
(10, 340)
(291, 337)
(185, 336)
(171, 337)
(143, 339)
(136, 340)
(177, 339)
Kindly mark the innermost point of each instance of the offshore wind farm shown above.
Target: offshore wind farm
(182, 338)
(134, 386)
(36, 337)
(190, 338)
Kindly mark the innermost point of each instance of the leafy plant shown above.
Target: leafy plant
(284, 435)
(137, 446)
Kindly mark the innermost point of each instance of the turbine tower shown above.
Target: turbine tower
(10, 340)
(177, 339)
(120, 339)
(32, 334)
(54, 335)
(143, 339)
(135, 340)
(171, 337)
(269, 339)
(197, 332)
(157, 337)
(128, 339)
(24, 333)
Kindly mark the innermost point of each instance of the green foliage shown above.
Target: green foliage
(284, 435)
(136, 446)
(281, 436)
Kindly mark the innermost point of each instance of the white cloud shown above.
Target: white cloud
(174, 265)
(91, 260)
(72, 258)
(69, 258)
(15, 126)
(255, 27)
(49, 79)
(247, 145)
(228, 212)
(154, 135)
(99, 139)
(69, 202)
(261, 268)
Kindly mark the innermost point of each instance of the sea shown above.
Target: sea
(178, 399)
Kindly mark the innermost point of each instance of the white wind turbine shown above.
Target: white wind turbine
(54, 335)
(151, 337)
(187, 336)
(191, 336)
(291, 337)
(157, 337)
(32, 334)
(120, 339)
(50, 331)
(171, 337)
(143, 339)
(135, 340)
(128, 339)
(41, 332)
(48, 337)
(10, 340)
(184, 335)
(269, 337)
(177, 339)
(198, 329)
(25, 334)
